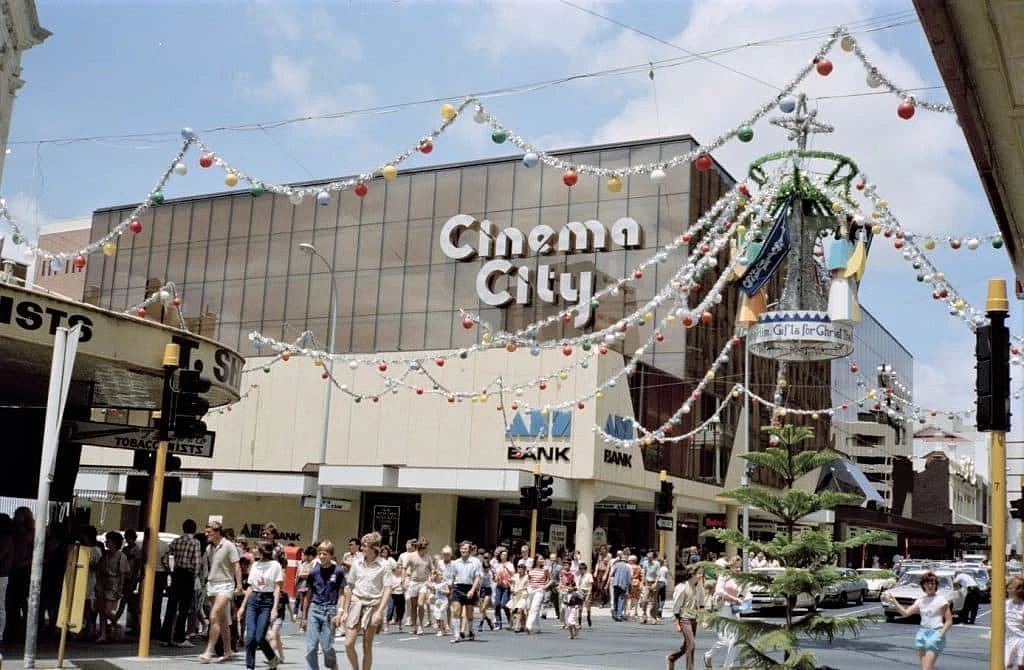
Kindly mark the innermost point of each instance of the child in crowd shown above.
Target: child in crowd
(397, 598)
(441, 591)
(573, 606)
(302, 585)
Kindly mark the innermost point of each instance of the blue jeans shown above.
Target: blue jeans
(320, 631)
(618, 602)
(501, 596)
(257, 621)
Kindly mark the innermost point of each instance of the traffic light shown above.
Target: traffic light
(189, 405)
(992, 384)
(1017, 508)
(144, 461)
(528, 497)
(544, 490)
(663, 498)
(172, 463)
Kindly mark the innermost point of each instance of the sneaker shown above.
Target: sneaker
(440, 633)
(455, 640)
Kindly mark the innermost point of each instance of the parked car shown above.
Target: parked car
(852, 588)
(877, 581)
(762, 599)
(981, 575)
(908, 590)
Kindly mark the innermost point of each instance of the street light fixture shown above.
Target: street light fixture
(329, 365)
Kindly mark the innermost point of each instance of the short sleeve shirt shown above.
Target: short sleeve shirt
(417, 568)
(931, 608)
(465, 571)
(222, 560)
(368, 578)
(264, 575)
(326, 583)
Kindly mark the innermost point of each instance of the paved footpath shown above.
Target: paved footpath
(606, 645)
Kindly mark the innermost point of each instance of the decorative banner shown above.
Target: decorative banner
(773, 250)
(799, 336)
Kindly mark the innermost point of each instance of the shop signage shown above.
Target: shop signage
(557, 535)
(615, 506)
(339, 504)
(30, 315)
(663, 522)
(714, 521)
(254, 530)
(385, 521)
(798, 335)
(538, 452)
(559, 422)
(617, 457)
(543, 240)
(927, 542)
(138, 438)
(620, 427)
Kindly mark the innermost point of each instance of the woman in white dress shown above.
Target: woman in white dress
(1014, 653)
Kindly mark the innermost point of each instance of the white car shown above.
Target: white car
(878, 581)
(761, 599)
(909, 589)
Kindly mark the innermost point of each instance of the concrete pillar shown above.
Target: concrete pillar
(584, 542)
(437, 519)
(732, 522)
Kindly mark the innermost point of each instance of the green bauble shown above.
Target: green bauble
(916, 265)
(256, 190)
(266, 368)
(745, 133)
(499, 136)
(463, 354)
(997, 243)
(920, 277)
(586, 345)
(157, 198)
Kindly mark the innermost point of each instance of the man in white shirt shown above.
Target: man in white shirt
(465, 572)
(367, 592)
(966, 581)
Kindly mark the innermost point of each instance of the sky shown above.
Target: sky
(106, 95)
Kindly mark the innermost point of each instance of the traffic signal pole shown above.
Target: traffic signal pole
(662, 476)
(995, 418)
(533, 518)
(156, 496)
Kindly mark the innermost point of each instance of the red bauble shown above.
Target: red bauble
(736, 340)
(704, 249)
(285, 355)
(898, 244)
(567, 317)
(602, 350)
(638, 274)
(419, 390)
(79, 262)
(824, 67)
(468, 323)
(668, 429)
(659, 337)
(325, 375)
(688, 321)
(440, 362)
(861, 185)
(744, 191)
(853, 368)
(943, 293)
(360, 189)
(1014, 350)
(954, 244)
(569, 177)
(511, 347)
(515, 406)
(383, 367)
(887, 232)
(704, 162)
(906, 110)
(580, 405)
(696, 394)
(451, 399)
(376, 398)
(141, 311)
(542, 385)
(135, 226)
(706, 317)
(176, 302)
(844, 406)
(426, 146)
(567, 350)
(686, 238)
(878, 406)
(206, 160)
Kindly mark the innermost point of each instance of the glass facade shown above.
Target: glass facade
(874, 346)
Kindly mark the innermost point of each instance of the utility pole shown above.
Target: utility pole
(533, 513)
(156, 496)
(993, 416)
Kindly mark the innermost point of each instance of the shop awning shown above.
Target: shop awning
(844, 476)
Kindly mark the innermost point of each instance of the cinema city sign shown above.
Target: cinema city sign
(543, 240)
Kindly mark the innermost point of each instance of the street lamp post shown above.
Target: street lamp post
(329, 366)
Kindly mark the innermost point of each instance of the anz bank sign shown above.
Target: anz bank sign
(534, 436)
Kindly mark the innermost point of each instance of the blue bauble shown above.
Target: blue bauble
(787, 105)
(531, 159)
(188, 134)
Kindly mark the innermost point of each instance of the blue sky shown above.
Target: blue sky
(113, 70)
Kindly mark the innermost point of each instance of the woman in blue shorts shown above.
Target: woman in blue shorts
(936, 620)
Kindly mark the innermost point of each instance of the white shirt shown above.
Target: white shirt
(931, 608)
(368, 579)
(663, 574)
(263, 575)
(465, 571)
(965, 580)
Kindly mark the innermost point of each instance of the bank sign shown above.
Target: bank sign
(464, 238)
(528, 436)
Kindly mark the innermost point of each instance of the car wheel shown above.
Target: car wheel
(813, 607)
(890, 617)
(843, 599)
(861, 597)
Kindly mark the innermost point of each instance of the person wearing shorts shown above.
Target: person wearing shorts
(418, 568)
(936, 620)
(366, 596)
(223, 583)
(465, 572)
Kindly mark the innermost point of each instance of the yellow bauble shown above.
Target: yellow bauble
(929, 244)
(783, 383)
(599, 395)
(614, 184)
(710, 375)
(109, 248)
(486, 338)
(448, 112)
(563, 375)
(876, 229)
(389, 172)
(959, 304)
(648, 316)
(231, 179)
(871, 393)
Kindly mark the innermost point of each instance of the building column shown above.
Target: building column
(732, 522)
(584, 542)
(437, 519)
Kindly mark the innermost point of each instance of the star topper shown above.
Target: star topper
(802, 123)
